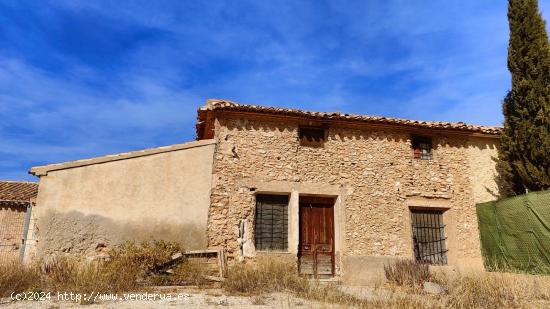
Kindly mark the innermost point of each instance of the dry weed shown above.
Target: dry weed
(270, 275)
(189, 272)
(496, 290)
(124, 270)
(407, 273)
(258, 300)
(265, 275)
(127, 265)
(16, 277)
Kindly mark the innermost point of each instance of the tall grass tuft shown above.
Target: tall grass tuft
(264, 275)
(125, 270)
(188, 272)
(496, 290)
(407, 273)
(16, 277)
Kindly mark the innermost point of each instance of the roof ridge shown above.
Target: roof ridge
(18, 181)
(223, 104)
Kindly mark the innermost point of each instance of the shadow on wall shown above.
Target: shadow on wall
(502, 189)
(75, 233)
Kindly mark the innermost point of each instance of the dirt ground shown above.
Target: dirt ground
(172, 297)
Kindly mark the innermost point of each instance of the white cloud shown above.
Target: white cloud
(429, 61)
(50, 119)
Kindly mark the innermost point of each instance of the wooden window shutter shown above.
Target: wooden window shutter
(271, 223)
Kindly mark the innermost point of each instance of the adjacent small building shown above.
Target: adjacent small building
(338, 194)
(87, 206)
(16, 201)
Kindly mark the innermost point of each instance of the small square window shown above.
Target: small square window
(312, 136)
(271, 223)
(422, 147)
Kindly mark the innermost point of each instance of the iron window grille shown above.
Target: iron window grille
(422, 147)
(271, 223)
(428, 233)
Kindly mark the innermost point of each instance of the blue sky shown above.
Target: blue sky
(82, 79)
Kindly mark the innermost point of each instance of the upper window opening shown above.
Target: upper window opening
(312, 136)
(422, 147)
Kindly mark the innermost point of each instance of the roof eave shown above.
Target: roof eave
(226, 105)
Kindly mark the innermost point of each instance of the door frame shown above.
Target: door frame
(329, 202)
(301, 189)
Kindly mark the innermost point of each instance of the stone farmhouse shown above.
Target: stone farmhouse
(16, 233)
(339, 194)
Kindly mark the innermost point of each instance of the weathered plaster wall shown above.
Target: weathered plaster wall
(374, 169)
(165, 196)
(11, 231)
(484, 177)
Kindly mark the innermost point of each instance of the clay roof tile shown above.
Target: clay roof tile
(220, 104)
(17, 192)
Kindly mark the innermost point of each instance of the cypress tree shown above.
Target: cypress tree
(524, 153)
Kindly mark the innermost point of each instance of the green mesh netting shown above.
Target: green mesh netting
(515, 233)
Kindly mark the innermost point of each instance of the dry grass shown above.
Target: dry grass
(258, 301)
(189, 272)
(496, 290)
(474, 290)
(268, 275)
(124, 271)
(15, 277)
(265, 275)
(129, 264)
(407, 273)
(65, 274)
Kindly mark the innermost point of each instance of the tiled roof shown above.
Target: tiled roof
(17, 192)
(225, 105)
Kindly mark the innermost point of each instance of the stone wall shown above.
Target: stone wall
(375, 170)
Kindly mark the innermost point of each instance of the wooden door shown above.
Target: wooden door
(316, 249)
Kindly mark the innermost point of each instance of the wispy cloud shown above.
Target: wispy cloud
(79, 79)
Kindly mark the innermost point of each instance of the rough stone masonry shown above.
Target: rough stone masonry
(371, 170)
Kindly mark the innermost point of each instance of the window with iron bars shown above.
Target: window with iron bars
(428, 233)
(271, 223)
(422, 147)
